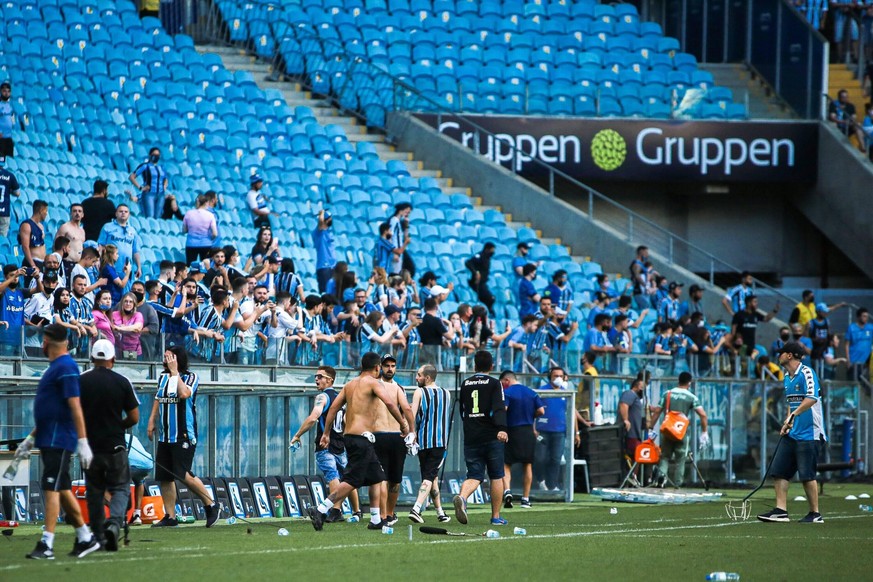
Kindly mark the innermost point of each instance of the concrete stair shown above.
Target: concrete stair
(235, 59)
(842, 77)
(763, 103)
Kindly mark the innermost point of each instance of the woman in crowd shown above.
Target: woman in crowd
(128, 323)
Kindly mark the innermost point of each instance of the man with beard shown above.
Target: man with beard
(390, 447)
(260, 306)
(74, 231)
(179, 320)
(430, 408)
(38, 313)
(81, 309)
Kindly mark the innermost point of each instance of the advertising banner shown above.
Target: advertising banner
(641, 150)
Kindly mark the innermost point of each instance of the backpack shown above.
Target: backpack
(675, 423)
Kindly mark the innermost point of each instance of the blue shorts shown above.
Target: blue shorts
(331, 465)
(487, 457)
(800, 457)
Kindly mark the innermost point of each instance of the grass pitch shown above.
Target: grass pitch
(580, 541)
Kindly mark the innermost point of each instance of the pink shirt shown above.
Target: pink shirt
(129, 340)
(101, 322)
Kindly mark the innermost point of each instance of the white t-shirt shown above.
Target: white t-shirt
(285, 322)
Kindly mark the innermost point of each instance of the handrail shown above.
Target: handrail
(670, 247)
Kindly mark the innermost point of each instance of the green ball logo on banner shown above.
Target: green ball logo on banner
(608, 149)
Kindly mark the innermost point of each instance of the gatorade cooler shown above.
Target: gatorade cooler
(79, 493)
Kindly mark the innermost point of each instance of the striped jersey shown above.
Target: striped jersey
(335, 445)
(738, 296)
(809, 426)
(433, 418)
(178, 417)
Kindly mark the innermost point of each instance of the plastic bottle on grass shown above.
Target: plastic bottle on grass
(866, 508)
(720, 576)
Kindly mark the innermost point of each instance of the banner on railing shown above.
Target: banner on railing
(641, 150)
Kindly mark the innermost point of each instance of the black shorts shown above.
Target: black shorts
(430, 461)
(521, 445)
(173, 460)
(391, 451)
(55, 470)
(796, 457)
(364, 467)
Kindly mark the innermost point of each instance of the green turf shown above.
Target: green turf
(581, 541)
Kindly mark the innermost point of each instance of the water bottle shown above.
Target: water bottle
(519, 531)
(719, 576)
(283, 532)
(6, 523)
(295, 447)
(278, 506)
(12, 470)
(387, 530)
(185, 518)
(492, 534)
(230, 520)
(866, 508)
(353, 519)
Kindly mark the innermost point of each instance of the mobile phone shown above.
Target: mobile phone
(127, 261)
(29, 271)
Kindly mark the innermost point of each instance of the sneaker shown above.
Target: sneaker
(135, 520)
(391, 520)
(507, 499)
(166, 521)
(111, 531)
(443, 518)
(498, 521)
(317, 518)
(41, 552)
(542, 485)
(775, 515)
(557, 490)
(415, 516)
(525, 503)
(213, 512)
(334, 516)
(812, 517)
(371, 525)
(82, 549)
(460, 509)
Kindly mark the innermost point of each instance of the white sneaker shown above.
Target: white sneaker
(542, 485)
(558, 489)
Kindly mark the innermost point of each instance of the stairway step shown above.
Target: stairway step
(458, 190)
(368, 137)
(402, 156)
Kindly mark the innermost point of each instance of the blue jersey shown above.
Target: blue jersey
(668, 309)
(560, 297)
(432, 420)
(51, 411)
(125, 238)
(152, 175)
(555, 418)
(384, 254)
(178, 417)
(809, 426)
(8, 185)
(860, 342)
(325, 257)
(521, 405)
(12, 312)
(738, 296)
(526, 293)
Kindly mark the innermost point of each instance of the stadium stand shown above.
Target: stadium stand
(554, 57)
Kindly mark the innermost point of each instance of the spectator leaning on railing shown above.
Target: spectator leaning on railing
(842, 113)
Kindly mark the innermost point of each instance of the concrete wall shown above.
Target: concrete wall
(528, 203)
(840, 206)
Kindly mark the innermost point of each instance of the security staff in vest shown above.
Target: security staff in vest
(675, 452)
(110, 406)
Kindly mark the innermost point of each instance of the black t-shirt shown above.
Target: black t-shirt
(97, 212)
(747, 326)
(431, 330)
(483, 409)
(105, 395)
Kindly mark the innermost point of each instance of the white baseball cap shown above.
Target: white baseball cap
(103, 350)
(438, 290)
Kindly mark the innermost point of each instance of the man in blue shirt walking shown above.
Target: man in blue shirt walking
(523, 406)
(325, 257)
(802, 436)
(859, 343)
(59, 432)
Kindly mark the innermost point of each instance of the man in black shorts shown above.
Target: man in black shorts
(110, 406)
(59, 432)
(484, 415)
(523, 405)
(430, 407)
(360, 397)
(390, 446)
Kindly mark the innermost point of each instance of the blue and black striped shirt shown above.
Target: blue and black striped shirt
(178, 417)
(433, 418)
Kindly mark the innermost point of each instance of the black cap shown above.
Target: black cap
(695, 288)
(796, 349)
(675, 284)
(389, 358)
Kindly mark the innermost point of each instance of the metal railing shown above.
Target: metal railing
(368, 91)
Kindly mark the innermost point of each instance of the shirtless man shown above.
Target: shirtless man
(390, 447)
(360, 396)
(74, 231)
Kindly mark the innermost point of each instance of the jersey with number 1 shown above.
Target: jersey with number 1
(809, 425)
(481, 396)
